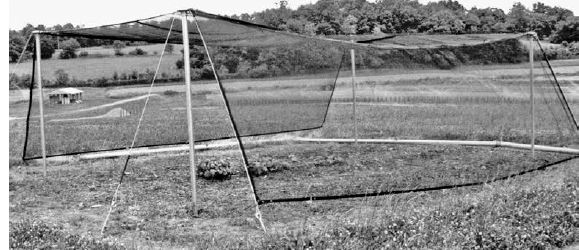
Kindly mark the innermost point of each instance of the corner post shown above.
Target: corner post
(187, 66)
(40, 100)
(353, 60)
(532, 92)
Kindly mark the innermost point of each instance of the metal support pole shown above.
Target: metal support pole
(40, 100)
(353, 59)
(531, 60)
(187, 67)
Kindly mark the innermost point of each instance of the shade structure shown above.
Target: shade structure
(411, 86)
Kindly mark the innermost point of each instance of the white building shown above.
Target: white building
(65, 96)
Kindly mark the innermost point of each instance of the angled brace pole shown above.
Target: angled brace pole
(40, 99)
(187, 67)
(233, 125)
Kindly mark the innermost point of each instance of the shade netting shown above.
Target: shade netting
(469, 88)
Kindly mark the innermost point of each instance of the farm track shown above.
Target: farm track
(91, 108)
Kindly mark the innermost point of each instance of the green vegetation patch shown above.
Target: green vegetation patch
(34, 234)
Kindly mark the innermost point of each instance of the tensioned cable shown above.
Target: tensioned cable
(546, 100)
(24, 49)
(11, 76)
(30, 96)
(359, 195)
(554, 87)
(559, 92)
(48, 32)
(333, 89)
(233, 125)
(20, 60)
(115, 195)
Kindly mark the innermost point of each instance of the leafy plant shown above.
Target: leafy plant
(118, 47)
(265, 165)
(138, 52)
(69, 48)
(170, 92)
(38, 235)
(215, 169)
(61, 77)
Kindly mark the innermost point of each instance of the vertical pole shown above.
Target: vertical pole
(187, 67)
(40, 100)
(531, 60)
(353, 60)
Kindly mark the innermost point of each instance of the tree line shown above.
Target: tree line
(345, 17)
(49, 44)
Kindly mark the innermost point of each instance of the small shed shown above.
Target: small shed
(65, 96)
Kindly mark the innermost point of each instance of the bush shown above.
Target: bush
(77, 83)
(169, 48)
(179, 64)
(134, 75)
(118, 46)
(20, 81)
(47, 48)
(61, 78)
(206, 72)
(441, 62)
(260, 71)
(567, 32)
(267, 165)
(13, 79)
(138, 52)
(69, 48)
(215, 169)
(170, 93)
(327, 87)
(554, 53)
(101, 82)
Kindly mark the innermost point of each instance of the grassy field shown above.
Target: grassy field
(465, 105)
(101, 62)
(151, 49)
(536, 210)
(93, 68)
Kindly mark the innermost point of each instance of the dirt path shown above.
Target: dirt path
(95, 107)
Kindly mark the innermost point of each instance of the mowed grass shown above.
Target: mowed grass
(96, 68)
(531, 211)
